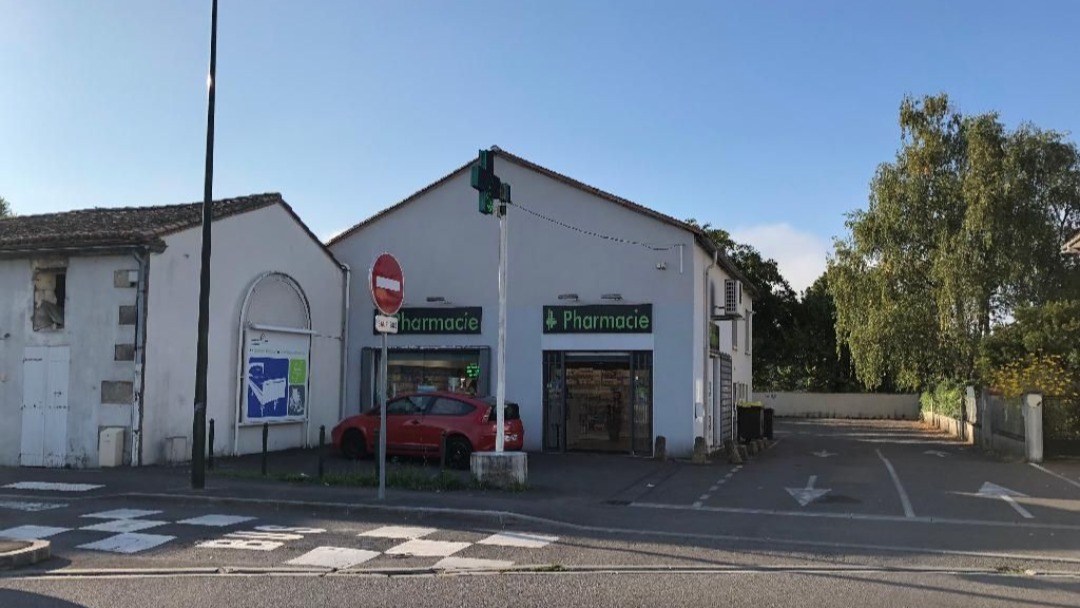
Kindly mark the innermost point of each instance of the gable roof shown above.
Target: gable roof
(700, 236)
(103, 227)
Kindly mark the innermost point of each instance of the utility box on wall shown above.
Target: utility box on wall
(111, 447)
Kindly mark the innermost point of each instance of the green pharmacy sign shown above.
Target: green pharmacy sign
(599, 319)
(440, 320)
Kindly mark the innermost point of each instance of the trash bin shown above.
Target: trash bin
(749, 421)
(767, 422)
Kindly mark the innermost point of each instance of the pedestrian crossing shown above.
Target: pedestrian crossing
(239, 538)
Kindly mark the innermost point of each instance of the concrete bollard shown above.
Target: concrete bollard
(732, 452)
(699, 457)
(660, 450)
(742, 452)
(752, 448)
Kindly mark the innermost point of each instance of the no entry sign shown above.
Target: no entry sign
(387, 284)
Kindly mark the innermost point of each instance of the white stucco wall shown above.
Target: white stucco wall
(244, 247)
(447, 249)
(91, 331)
(842, 405)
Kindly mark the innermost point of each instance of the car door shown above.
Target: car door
(403, 416)
(444, 414)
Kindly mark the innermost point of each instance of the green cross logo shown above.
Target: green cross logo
(551, 322)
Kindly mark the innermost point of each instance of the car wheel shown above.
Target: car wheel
(353, 445)
(458, 450)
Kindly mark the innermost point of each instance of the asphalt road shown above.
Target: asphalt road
(833, 513)
(764, 589)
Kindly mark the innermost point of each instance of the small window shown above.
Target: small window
(734, 334)
(50, 296)
(444, 406)
(404, 406)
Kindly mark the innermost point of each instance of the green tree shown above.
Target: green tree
(773, 305)
(5, 208)
(817, 363)
(962, 227)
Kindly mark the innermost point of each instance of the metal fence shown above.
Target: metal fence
(1061, 426)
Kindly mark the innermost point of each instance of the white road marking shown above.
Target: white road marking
(519, 539)
(120, 526)
(128, 543)
(31, 532)
(1037, 466)
(937, 453)
(427, 548)
(290, 529)
(470, 563)
(729, 475)
(122, 514)
(704, 497)
(255, 535)
(993, 490)
(904, 500)
(824, 454)
(240, 543)
(402, 532)
(216, 521)
(53, 486)
(949, 521)
(19, 505)
(809, 494)
(714, 488)
(334, 557)
(697, 504)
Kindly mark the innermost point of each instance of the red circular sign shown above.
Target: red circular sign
(387, 284)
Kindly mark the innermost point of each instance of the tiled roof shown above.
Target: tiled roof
(699, 235)
(119, 226)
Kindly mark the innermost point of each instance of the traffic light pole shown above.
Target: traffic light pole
(500, 382)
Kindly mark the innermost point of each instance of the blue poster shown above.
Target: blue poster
(268, 381)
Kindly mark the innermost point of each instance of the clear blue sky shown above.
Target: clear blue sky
(766, 118)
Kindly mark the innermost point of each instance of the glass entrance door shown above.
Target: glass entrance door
(598, 401)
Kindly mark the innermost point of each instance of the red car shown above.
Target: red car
(415, 424)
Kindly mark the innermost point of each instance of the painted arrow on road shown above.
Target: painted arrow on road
(937, 453)
(992, 490)
(824, 454)
(809, 494)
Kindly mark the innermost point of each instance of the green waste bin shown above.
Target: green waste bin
(750, 421)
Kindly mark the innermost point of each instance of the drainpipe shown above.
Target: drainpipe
(705, 361)
(143, 258)
(344, 340)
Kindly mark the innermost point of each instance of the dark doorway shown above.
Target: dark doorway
(598, 401)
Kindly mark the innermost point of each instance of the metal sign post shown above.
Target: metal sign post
(500, 383)
(387, 284)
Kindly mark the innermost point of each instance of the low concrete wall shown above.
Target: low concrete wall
(841, 405)
(965, 431)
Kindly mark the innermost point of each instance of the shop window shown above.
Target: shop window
(421, 371)
(50, 295)
(449, 407)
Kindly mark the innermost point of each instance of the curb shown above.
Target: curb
(36, 551)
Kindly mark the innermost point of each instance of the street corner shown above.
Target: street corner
(16, 553)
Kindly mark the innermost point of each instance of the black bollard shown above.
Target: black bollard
(322, 442)
(442, 452)
(376, 444)
(210, 440)
(266, 437)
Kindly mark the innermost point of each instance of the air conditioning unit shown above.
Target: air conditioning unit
(732, 299)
